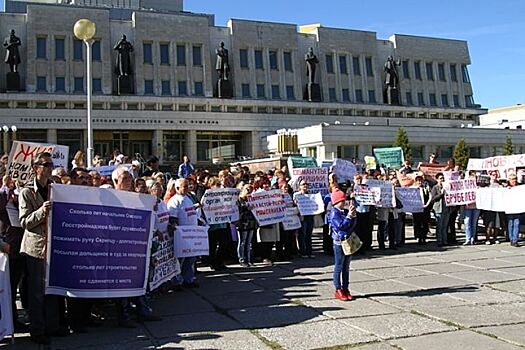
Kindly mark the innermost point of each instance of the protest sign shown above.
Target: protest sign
(387, 199)
(391, 157)
(430, 170)
(451, 175)
(343, 170)
(370, 163)
(460, 192)
(164, 266)
(502, 165)
(6, 312)
(407, 180)
(220, 205)
(317, 179)
(99, 242)
(294, 162)
(291, 220)
(367, 195)
(191, 241)
(268, 207)
(22, 153)
(13, 213)
(501, 199)
(309, 204)
(411, 199)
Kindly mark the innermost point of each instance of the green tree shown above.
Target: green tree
(461, 154)
(508, 147)
(402, 141)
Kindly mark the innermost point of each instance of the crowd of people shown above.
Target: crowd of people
(178, 202)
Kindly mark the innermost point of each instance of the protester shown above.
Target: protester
(218, 236)
(152, 166)
(267, 235)
(421, 220)
(471, 215)
(78, 160)
(283, 248)
(364, 219)
(246, 227)
(440, 210)
(342, 222)
(185, 168)
(513, 220)
(491, 219)
(307, 224)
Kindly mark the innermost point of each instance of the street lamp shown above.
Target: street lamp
(6, 129)
(85, 30)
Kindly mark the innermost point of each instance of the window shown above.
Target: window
(199, 89)
(469, 100)
(95, 51)
(60, 49)
(166, 87)
(174, 145)
(60, 84)
(290, 94)
(243, 57)
(259, 59)
(406, 73)
(430, 71)
(197, 56)
(41, 84)
(453, 73)
(97, 86)
(329, 64)
(273, 60)
(287, 56)
(41, 48)
(347, 152)
(372, 96)
(331, 95)
(346, 95)
(245, 90)
(261, 91)
(79, 84)
(420, 99)
(222, 145)
(146, 50)
(432, 99)
(181, 55)
(148, 87)
(183, 88)
(455, 98)
(441, 72)
(165, 54)
(409, 98)
(369, 68)
(276, 94)
(417, 70)
(444, 100)
(342, 65)
(77, 50)
(464, 74)
(359, 96)
(357, 65)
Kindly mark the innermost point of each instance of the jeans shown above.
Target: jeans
(514, 229)
(341, 268)
(305, 235)
(187, 272)
(244, 247)
(442, 227)
(470, 221)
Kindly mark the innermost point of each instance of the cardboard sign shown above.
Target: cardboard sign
(164, 265)
(294, 162)
(411, 199)
(387, 199)
(343, 170)
(268, 207)
(391, 157)
(291, 220)
(6, 314)
(370, 163)
(367, 195)
(451, 175)
(460, 192)
(220, 205)
(191, 241)
(431, 170)
(309, 204)
(504, 166)
(317, 179)
(508, 200)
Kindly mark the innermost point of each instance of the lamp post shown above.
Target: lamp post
(6, 129)
(85, 30)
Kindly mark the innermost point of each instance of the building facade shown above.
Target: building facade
(173, 112)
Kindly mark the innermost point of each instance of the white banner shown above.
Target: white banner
(291, 220)
(386, 199)
(460, 192)
(451, 175)
(6, 313)
(13, 213)
(191, 241)
(268, 207)
(309, 204)
(343, 170)
(411, 199)
(317, 178)
(503, 165)
(164, 266)
(367, 195)
(508, 200)
(220, 205)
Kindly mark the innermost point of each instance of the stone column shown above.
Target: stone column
(52, 136)
(191, 148)
(157, 145)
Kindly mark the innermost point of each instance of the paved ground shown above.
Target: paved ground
(458, 297)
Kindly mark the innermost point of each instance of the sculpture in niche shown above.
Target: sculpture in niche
(391, 93)
(123, 63)
(12, 56)
(311, 64)
(222, 65)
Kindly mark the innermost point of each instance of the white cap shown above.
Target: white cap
(135, 163)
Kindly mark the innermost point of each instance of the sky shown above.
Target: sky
(493, 29)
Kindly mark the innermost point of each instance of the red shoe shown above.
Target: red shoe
(340, 294)
(347, 293)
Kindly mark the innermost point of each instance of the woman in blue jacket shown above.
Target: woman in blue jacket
(342, 222)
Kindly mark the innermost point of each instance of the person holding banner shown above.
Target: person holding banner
(364, 219)
(491, 218)
(283, 248)
(342, 222)
(246, 227)
(441, 210)
(218, 236)
(421, 220)
(513, 220)
(471, 215)
(307, 225)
